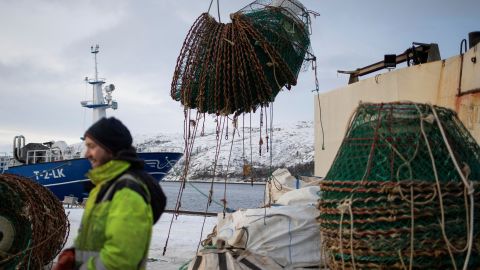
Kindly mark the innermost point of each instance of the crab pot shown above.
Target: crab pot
(231, 68)
(394, 196)
(33, 224)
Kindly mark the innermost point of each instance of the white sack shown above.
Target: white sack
(304, 196)
(290, 235)
(283, 182)
(209, 259)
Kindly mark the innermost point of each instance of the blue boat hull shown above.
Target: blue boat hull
(66, 178)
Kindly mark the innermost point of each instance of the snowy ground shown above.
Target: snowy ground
(182, 245)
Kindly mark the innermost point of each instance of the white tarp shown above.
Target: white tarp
(289, 235)
(213, 259)
(283, 182)
(303, 196)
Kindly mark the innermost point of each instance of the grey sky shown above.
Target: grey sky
(45, 55)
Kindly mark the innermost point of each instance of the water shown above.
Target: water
(195, 195)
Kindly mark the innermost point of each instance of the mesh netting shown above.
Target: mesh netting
(33, 224)
(284, 24)
(387, 196)
(238, 66)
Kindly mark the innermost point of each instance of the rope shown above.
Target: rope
(189, 140)
(317, 89)
(442, 224)
(229, 210)
(468, 186)
(226, 173)
(210, 195)
(251, 149)
(346, 204)
(412, 233)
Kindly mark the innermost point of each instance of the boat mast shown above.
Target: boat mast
(100, 103)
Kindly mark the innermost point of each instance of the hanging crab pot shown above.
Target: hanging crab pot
(236, 67)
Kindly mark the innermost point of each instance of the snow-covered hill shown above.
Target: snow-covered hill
(292, 146)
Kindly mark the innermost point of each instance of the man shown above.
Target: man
(121, 209)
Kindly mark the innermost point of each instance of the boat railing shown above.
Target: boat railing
(4, 161)
(49, 155)
(173, 149)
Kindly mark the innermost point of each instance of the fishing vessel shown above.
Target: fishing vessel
(61, 167)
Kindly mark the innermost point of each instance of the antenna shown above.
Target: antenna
(99, 103)
(95, 50)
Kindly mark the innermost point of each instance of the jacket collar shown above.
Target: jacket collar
(130, 155)
(108, 171)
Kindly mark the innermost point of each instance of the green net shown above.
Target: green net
(389, 194)
(284, 24)
(238, 66)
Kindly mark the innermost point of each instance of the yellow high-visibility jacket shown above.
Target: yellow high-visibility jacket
(116, 226)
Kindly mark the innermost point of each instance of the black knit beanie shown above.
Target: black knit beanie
(111, 134)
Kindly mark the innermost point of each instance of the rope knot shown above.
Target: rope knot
(429, 118)
(470, 188)
(466, 170)
(344, 205)
(391, 196)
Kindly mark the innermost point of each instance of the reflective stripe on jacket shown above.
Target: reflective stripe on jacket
(116, 225)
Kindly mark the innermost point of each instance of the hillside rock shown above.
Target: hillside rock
(289, 145)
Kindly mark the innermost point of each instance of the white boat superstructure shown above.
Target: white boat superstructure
(100, 102)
